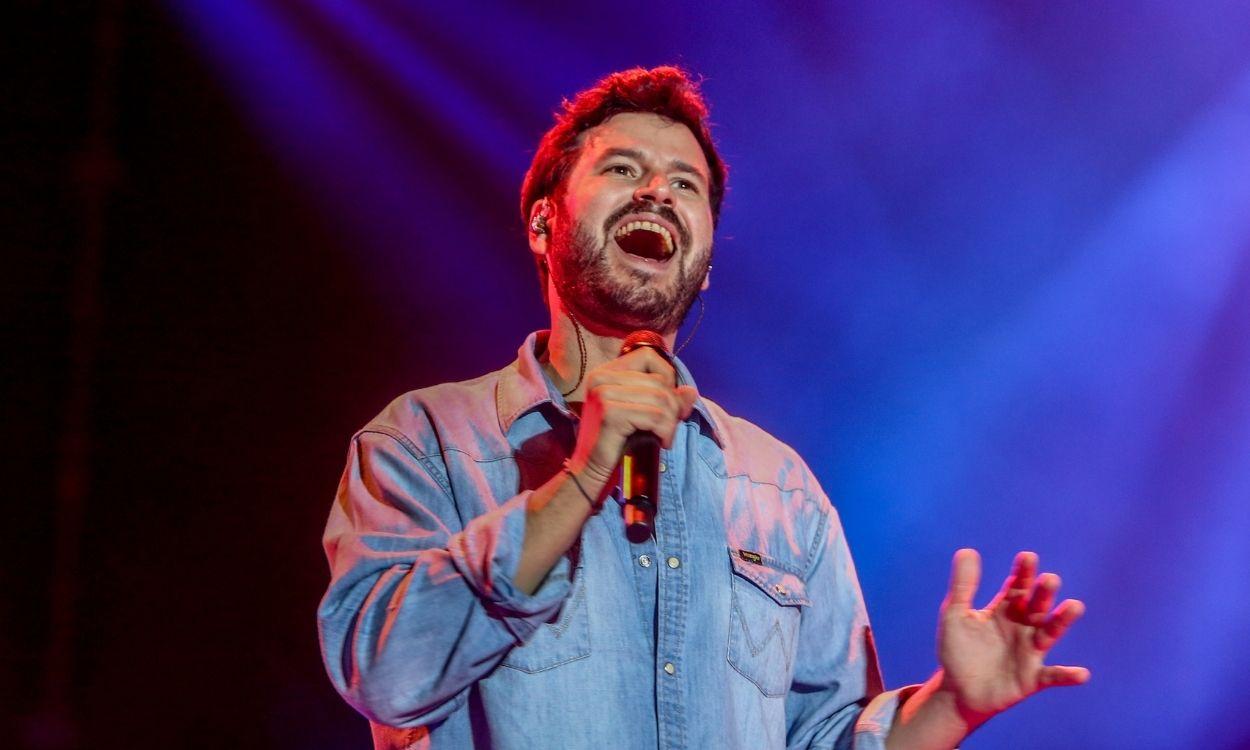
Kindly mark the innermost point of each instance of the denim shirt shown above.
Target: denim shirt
(739, 625)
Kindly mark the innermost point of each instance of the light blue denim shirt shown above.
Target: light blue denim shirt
(740, 625)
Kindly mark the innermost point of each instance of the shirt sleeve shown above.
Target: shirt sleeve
(420, 606)
(837, 698)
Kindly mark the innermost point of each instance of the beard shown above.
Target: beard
(627, 299)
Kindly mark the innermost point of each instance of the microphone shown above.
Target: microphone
(640, 464)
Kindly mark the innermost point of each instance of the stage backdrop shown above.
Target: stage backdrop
(985, 265)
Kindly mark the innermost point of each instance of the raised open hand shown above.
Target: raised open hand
(992, 658)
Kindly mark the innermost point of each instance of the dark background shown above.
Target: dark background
(183, 357)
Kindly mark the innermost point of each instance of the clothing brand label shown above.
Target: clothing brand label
(751, 557)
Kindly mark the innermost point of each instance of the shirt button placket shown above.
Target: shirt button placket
(671, 548)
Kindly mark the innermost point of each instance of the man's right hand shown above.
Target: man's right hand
(637, 391)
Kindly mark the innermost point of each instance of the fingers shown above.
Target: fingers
(633, 393)
(1060, 676)
(627, 389)
(664, 399)
(610, 376)
(1043, 598)
(648, 360)
(965, 577)
(1068, 612)
(1014, 595)
(637, 403)
(625, 417)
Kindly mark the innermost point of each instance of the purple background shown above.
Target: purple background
(986, 265)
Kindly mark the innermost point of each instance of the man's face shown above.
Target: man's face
(632, 236)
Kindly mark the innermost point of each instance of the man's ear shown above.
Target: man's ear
(707, 278)
(540, 226)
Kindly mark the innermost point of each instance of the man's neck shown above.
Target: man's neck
(563, 360)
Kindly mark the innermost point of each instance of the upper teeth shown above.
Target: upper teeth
(650, 226)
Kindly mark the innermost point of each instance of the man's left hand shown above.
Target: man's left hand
(992, 658)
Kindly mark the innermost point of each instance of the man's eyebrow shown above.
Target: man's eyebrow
(682, 166)
(630, 153)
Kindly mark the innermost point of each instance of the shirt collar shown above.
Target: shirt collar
(524, 386)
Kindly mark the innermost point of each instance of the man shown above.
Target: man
(484, 593)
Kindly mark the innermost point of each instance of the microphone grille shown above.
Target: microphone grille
(645, 338)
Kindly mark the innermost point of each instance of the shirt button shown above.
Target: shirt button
(663, 466)
(644, 560)
(673, 562)
(669, 668)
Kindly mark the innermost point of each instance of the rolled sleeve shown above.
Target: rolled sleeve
(488, 552)
(874, 722)
(420, 607)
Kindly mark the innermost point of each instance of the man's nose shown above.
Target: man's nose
(655, 190)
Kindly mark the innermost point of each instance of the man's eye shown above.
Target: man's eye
(686, 185)
(621, 169)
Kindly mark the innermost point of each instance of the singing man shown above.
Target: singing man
(484, 591)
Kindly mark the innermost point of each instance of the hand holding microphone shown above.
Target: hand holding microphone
(631, 402)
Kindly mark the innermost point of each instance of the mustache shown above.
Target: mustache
(647, 207)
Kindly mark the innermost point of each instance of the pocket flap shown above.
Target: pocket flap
(779, 581)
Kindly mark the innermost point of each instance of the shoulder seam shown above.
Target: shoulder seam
(413, 451)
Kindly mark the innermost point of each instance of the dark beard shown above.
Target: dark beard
(584, 279)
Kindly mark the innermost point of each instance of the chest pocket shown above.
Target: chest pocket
(766, 600)
(564, 639)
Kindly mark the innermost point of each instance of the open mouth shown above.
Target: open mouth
(645, 239)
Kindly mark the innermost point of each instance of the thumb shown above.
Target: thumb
(1061, 676)
(965, 577)
(688, 395)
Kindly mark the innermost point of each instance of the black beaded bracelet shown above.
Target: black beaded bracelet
(594, 505)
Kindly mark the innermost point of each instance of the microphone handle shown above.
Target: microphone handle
(640, 484)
